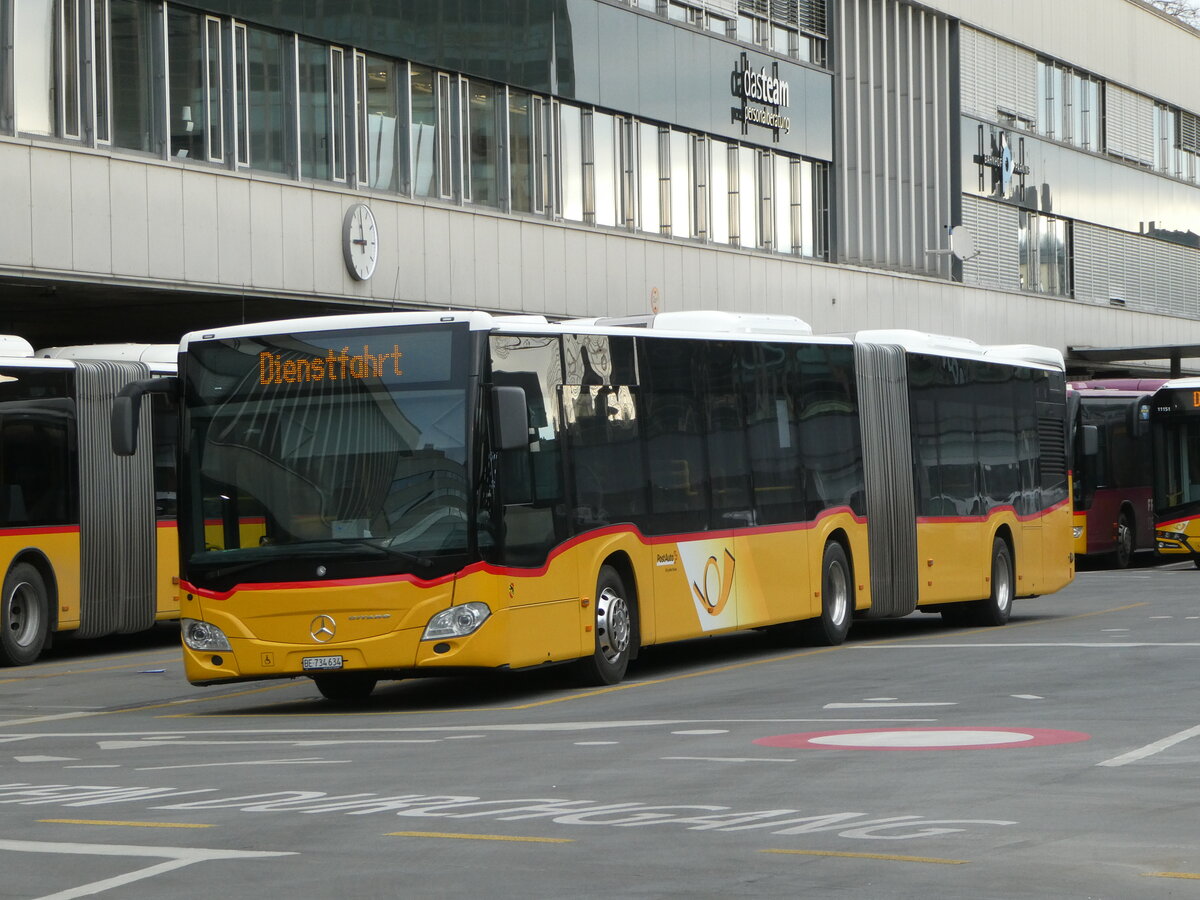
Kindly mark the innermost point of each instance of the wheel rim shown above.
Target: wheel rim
(1124, 540)
(1002, 582)
(612, 625)
(24, 620)
(837, 594)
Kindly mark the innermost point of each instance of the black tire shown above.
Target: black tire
(614, 632)
(347, 688)
(996, 609)
(837, 600)
(24, 616)
(1126, 543)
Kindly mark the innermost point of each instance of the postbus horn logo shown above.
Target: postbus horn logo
(714, 605)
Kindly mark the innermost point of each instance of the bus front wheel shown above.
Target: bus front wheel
(345, 688)
(613, 630)
(24, 616)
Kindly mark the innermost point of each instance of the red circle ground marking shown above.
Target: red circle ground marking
(936, 738)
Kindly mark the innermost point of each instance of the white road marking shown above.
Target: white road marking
(595, 743)
(36, 759)
(1162, 617)
(703, 731)
(955, 738)
(1092, 645)
(1150, 749)
(879, 705)
(310, 761)
(881, 699)
(94, 766)
(37, 720)
(175, 858)
(133, 745)
(1126, 629)
(764, 759)
(1026, 697)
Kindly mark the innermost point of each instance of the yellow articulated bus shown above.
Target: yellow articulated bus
(88, 543)
(1175, 434)
(423, 493)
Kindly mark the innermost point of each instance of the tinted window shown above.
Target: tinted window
(674, 435)
(831, 446)
(770, 375)
(37, 449)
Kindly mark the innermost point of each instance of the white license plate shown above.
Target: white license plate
(321, 662)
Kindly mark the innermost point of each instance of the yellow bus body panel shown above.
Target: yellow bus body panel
(166, 584)
(59, 546)
(683, 588)
(1166, 547)
(1080, 543)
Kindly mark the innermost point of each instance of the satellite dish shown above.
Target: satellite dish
(962, 243)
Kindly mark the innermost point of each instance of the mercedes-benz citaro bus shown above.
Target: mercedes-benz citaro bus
(87, 539)
(1175, 430)
(378, 496)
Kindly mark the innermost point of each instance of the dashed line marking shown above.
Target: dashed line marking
(884, 856)
(733, 759)
(480, 837)
(1193, 875)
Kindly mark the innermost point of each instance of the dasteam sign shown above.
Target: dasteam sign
(765, 97)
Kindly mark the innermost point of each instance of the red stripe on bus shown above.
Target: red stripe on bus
(41, 529)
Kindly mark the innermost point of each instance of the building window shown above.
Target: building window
(187, 109)
(379, 83)
(570, 162)
(681, 184)
(266, 100)
(38, 46)
(1070, 106)
(649, 177)
(718, 191)
(603, 169)
(131, 77)
(321, 103)
(1044, 248)
(483, 143)
(423, 138)
(747, 202)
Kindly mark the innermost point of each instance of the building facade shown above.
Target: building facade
(1011, 172)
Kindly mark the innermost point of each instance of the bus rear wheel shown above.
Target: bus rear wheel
(837, 600)
(345, 688)
(614, 632)
(1123, 554)
(24, 616)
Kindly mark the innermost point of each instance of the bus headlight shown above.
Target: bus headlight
(457, 621)
(1078, 531)
(203, 636)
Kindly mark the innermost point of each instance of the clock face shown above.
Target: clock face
(360, 241)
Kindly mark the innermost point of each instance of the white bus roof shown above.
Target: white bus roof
(687, 323)
(159, 357)
(1191, 383)
(14, 345)
(964, 348)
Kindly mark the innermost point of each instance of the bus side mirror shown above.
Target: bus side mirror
(1091, 440)
(510, 413)
(127, 408)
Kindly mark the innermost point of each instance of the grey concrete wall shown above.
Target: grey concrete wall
(83, 215)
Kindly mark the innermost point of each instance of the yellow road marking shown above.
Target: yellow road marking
(1193, 875)
(480, 837)
(885, 856)
(631, 685)
(124, 824)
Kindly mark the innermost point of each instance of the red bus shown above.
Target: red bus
(1112, 472)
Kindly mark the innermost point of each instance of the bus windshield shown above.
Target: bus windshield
(1177, 468)
(326, 450)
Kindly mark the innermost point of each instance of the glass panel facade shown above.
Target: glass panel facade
(747, 196)
(423, 138)
(681, 185)
(783, 203)
(100, 44)
(35, 67)
(382, 107)
(315, 119)
(718, 190)
(188, 108)
(484, 144)
(604, 161)
(520, 152)
(132, 37)
(266, 101)
(570, 154)
(214, 87)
